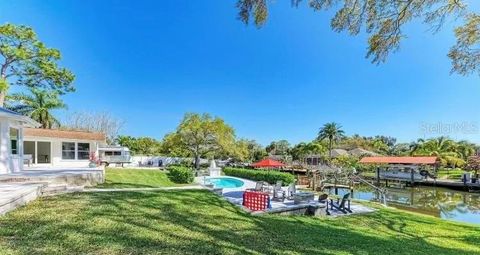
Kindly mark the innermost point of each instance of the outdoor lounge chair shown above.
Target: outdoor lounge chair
(323, 199)
(278, 193)
(259, 186)
(292, 189)
(343, 205)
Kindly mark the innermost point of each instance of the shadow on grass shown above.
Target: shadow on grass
(198, 222)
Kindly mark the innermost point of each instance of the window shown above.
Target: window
(14, 140)
(113, 153)
(83, 151)
(68, 150)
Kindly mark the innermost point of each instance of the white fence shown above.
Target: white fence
(158, 161)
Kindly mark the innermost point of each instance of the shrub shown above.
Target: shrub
(270, 176)
(180, 174)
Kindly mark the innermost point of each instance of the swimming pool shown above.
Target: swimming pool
(224, 182)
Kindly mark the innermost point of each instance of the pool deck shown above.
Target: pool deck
(235, 196)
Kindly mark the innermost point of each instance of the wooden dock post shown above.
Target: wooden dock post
(378, 176)
(412, 177)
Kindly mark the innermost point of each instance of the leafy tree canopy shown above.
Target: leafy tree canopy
(26, 61)
(140, 145)
(202, 136)
(473, 163)
(248, 151)
(38, 105)
(281, 147)
(302, 150)
(384, 21)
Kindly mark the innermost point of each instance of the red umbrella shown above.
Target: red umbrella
(268, 163)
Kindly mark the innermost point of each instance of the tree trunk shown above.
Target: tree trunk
(330, 148)
(197, 162)
(2, 98)
(4, 84)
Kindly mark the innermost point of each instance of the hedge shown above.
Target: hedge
(180, 174)
(270, 176)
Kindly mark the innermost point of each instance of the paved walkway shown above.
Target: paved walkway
(145, 189)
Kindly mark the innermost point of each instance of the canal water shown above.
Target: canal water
(439, 202)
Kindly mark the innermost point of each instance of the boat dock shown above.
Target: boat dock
(452, 184)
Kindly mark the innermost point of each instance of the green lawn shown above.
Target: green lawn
(198, 222)
(135, 178)
(454, 174)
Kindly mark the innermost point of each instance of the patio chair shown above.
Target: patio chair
(278, 192)
(343, 205)
(268, 188)
(259, 186)
(323, 199)
(292, 189)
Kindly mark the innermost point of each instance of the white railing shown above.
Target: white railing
(382, 192)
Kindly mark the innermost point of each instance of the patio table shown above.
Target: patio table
(303, 197)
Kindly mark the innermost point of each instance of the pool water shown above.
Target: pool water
(224, 182)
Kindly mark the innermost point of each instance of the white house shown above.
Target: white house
(61, 148)
(11, 140)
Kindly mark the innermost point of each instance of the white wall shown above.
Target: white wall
(56, 151)
(4, 146)
(10, 163)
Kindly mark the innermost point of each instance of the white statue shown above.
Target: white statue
(213, 169)
(213, 164)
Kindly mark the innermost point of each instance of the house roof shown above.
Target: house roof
(400, 160)
(359, 152)
(67, 134)
(7, 111)
(339, 152)
(18, 117)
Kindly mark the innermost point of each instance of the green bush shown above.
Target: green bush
(270, 176)
(180, 174)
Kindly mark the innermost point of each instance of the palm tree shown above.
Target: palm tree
(442, 147)
(333, 133)
(416, 146)
(465, 149)
(38, 105)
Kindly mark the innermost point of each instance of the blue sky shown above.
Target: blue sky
(149, 62)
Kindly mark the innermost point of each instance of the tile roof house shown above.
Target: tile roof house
(22, 141)
(64, 148)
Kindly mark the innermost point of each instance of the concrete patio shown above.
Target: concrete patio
(17, 189)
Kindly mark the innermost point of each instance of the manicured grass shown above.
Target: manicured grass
(135, 178)
(198, 222)
(454, 174)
